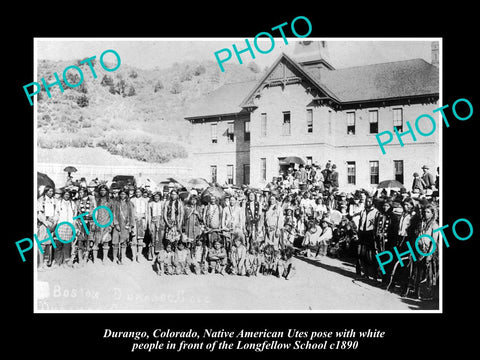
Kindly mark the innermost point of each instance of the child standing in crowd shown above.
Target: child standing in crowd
(199, 257)
(239, 255)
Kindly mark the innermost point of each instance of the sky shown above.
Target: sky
(149, 53)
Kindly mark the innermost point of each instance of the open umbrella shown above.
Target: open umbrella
(198, 183)
(44, 180)
(390, 184)
(218, 192)
(293, 160)
(70, 169)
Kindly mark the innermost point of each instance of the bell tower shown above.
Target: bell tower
(312, 54)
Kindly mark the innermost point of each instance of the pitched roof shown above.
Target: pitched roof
(224, 100)
(383, 81)
(380, 81)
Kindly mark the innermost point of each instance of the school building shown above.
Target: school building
(302, 106)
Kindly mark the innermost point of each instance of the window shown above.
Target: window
(263, 124)
(351, 123)
(398, 166)
(373, 115)
(230, 174)
(374, 172)
(246, 174)
(263, 168)
(286, 129)
(309, 160)
(213, 172)
(230, 132)
(351, 172)
(309, 120)
(246, 128)
(398, 119)
(213, 131)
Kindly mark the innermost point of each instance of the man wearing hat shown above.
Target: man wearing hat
(326, 175)
(156, 224)
(274, 222)
(140, 205)
(427, 177)
(334, 177)
(102, 235)
(366, 237)
(123, 224)
(85, 204)
(418, 183)
(212, 219)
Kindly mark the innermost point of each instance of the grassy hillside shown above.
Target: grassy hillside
(131, 112)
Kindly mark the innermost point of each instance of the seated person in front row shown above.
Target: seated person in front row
(182, 259)
(165, 261)
(217, 258)
(252, 262)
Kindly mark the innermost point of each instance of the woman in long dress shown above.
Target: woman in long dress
(193, 219)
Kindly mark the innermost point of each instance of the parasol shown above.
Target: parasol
(44, 180)
(390, 184)
(218, 192)
(198, 183)
(293, 160)
(70, 169)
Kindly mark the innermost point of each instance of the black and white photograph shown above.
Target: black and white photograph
(207, 175)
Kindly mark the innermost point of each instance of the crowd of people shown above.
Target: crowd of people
(246, 231)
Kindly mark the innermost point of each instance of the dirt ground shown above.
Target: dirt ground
(318, 285)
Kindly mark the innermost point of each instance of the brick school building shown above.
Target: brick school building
(302, 106)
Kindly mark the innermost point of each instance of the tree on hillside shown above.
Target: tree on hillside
(107, 81)
(158, 86)
(253, 67)
(176, 87)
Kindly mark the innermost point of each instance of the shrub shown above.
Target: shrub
(176, 87)
(158, 86)
(199, 70)
(107, 81)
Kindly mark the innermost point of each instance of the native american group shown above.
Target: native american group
(245, 231)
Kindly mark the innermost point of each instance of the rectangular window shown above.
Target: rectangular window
(373, 115)
(351, 123)
(398, 119)
(230, 131)
(351, 172)
(263, 168)
(230, 174)
(246, 174)
(286, 129)
(213, 172)
(309, 120)
(263, 124)
(398, 166)
(374, 172)
(213, 132)
(246, 129)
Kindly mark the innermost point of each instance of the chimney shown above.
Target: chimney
(435, 55)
